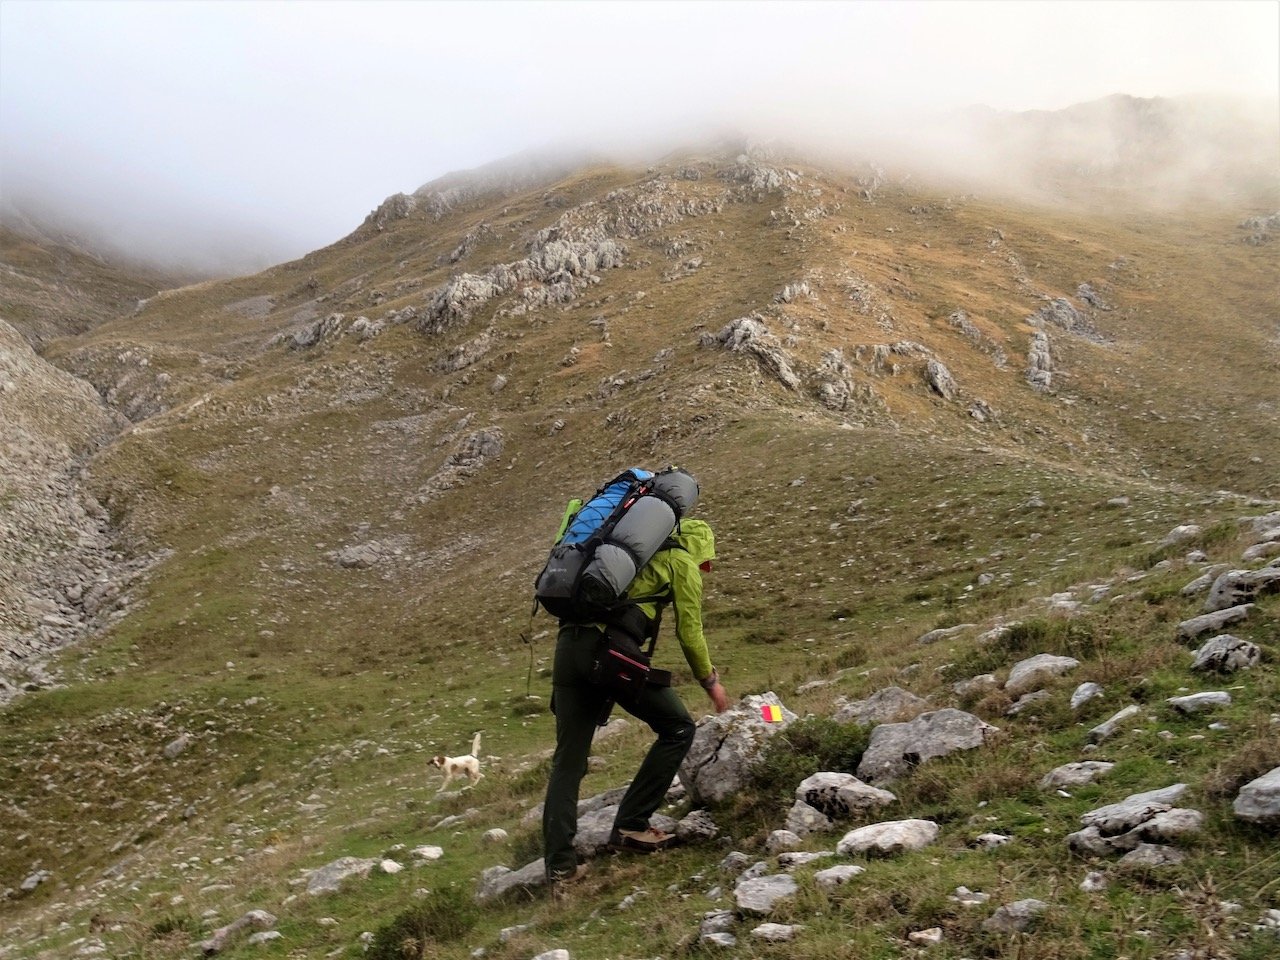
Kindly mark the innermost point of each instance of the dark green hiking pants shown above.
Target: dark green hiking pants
(577, 703)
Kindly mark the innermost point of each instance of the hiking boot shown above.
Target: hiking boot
(559, 883)
(640, 841)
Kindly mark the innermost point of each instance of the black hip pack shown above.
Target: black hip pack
(621, 665)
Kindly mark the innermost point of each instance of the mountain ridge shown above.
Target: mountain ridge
(346, 469)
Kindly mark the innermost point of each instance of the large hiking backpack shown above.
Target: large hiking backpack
(604, 543)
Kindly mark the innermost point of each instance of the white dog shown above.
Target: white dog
(468, 766)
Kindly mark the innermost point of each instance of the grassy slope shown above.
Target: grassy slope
(314, 694)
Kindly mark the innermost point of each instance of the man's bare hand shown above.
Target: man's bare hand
(719, 699)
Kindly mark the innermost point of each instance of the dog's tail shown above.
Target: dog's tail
(475, 746)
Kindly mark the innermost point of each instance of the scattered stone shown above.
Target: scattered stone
(991, 841)
(892, 704)
(976, 687)
(944, 633)
(893, 836)
(557, 954)
(1152, 855)
(1094, 882)
(928, 937)
(726, 940)
(328, 879)
(799, 858)
(697, 827)
(776, 932)
(1074, 774)
(1180, 534)
(425, 853)
(1259, 800)
(780, 840)
(390, 866)
(496, 882)
(1107, 729)
(1084, 693)
(1116, 818)
(1014, 917)
(833, 877)
(969, 898)
(496, 835)
(759, 895)
(716, 921)
(940, 380)
(803, 820)
(1203, 582)
(896, 748)
(1236, 587)
(1200, 702)
(1226, 654)
(1026, 701)
(1035, 671)
(223, 935)
(1211, 622)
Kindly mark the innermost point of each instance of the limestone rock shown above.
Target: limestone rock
(940, 380)
(727, 746)
(1074, 774)
(1108, 728)
(893, 836)
(759, 895)
(1259, 800)
(833, 877)
(896, 748)
(1014, 917)
(1035, 671)
(841, 796)
(1236, 587)
(804, 820)
(892, 704)
(1084, 693)
(328, 879)
(1200, 702)
(1226, 654)
(1212, 622)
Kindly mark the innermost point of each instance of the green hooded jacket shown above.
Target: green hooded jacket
(675, 572)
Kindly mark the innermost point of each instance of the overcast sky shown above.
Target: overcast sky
(267, 129)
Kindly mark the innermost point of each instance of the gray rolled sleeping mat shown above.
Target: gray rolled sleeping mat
(638, 536)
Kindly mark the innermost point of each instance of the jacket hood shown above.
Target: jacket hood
(696, 537)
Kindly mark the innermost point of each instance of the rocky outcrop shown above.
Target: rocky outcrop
(750, 335)
(61, 577)
(1040, 362)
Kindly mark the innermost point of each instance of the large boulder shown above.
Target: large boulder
(727, 746)
(896, 748)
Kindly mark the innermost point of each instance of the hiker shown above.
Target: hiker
(674, 572)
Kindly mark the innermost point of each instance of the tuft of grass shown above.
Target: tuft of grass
(444, 916)
(807, 746)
